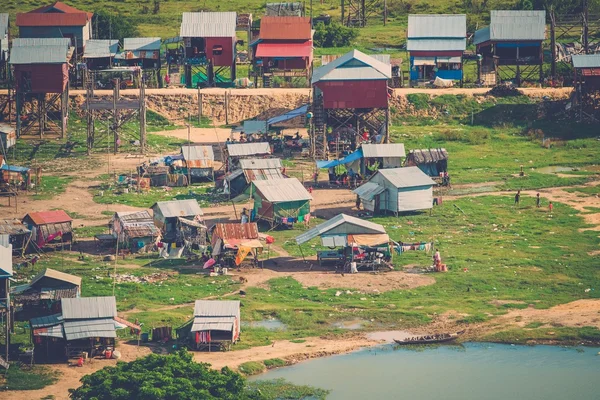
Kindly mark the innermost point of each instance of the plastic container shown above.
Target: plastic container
(144, 337)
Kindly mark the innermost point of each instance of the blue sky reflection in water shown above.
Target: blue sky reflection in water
(475, 371)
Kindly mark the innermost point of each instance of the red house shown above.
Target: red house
(355, 80)
(209, 40)
(284, 47)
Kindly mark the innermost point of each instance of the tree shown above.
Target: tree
(171, 377)
(113, 26)
(334, 34)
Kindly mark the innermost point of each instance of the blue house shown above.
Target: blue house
(436, 44)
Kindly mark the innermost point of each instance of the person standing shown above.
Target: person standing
(550, 207)
(517, 197)
(244, 216)
(537, 200)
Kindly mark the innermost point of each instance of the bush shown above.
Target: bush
(419, 100)
(274, 363)
(252, 368)
(334, 35)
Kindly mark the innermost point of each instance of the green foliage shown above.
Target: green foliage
(419, 100)
(113, 26)
(52, 186)
(23, 377)
(334, 35)
(274, 363)
(280, 389)
(251, 368)
(174, 376)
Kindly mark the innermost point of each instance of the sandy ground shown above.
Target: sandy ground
(364, 282)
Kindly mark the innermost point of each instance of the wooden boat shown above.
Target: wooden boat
(428, 339)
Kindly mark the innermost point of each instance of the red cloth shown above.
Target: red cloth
(270, 239)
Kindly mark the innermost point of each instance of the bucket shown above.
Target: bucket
(108, 354)
(144, 337)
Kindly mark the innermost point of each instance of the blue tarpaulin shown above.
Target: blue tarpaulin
(357, 155)
(14, 168)
(288, 115)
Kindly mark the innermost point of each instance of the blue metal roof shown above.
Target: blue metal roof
(14, 168)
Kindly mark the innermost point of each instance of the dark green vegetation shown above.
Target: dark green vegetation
(178, 377)
(23, 377)
(334, 35)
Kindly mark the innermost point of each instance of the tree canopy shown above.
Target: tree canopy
(334, 34)
(171, 377)
(112, 26)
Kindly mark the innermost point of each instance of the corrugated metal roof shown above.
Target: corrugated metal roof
(327, 58)
(236, 231)
(427, 155)
(98, 48)
(90, 328)
(50, 331)
(26, 42)
(49, 320)
(52, 19)
(54, 274)
(208, 24)
(248, 149)
(49, 217)
(178, 208)
(134, 216)
(38, 55)
(4, 21)
(6, 268)
(251, 127)
(351, 224)
(586, 60)
(436, 44)
(428, 26)
(285, 28)
(339, 68)
(260, 163)
(282, 190)
(141, 44)
(406, 177)
(12, 227)
(383, 150)
(216, 308)
(193, 153)
(89, 307)
(369, 190)
(284, 50)
(507, 25)
(213, 324)
(60, 7)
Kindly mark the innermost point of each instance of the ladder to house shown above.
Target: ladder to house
(319, 131)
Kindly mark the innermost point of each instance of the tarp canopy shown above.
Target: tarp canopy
(357, 155)
(288, 115)
(341, 225)
(368, 240)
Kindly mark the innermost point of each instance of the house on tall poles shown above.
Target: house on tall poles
(350, 98)
(511, 47)
(587, 85)
(284, 49)
(142, 52)
(436, 44)
(57, 20)
(209, 40)
(100, 53)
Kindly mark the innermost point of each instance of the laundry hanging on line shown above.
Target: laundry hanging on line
(401, 247)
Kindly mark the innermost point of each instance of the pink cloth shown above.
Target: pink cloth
(209, 263)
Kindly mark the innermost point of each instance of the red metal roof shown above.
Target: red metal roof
(49, 217)
(52, 19)
(284, 49)
(285, 28)
(61, 7)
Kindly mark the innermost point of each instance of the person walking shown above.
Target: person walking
(537, 200)
(517, 197)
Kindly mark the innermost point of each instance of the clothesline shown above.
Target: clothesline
(401, 247)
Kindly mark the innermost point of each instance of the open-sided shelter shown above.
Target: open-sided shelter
(280, 201)
(216, 323)
(431, 161)
(100, 53)
(17, 232)
(42, 296)
(284, 48)
(209, 40)
(253, 169)
(511, 47)
(57, 20)
(84, 325)
(199, 160)
(133, 229)
(436, 43)
(351, 90)
(50, 227)
(16, 176)
(397, 190)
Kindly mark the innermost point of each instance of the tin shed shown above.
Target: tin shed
(280, 201)
(216, 323)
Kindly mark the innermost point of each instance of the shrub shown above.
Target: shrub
(334, 35)
(419, 100)
(252, 368)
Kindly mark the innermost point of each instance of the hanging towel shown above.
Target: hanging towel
(422, 246)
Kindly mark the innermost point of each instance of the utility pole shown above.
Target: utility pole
(189, 128)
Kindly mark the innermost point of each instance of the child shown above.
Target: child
(550, 207)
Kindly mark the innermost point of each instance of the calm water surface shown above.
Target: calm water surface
(474, 371)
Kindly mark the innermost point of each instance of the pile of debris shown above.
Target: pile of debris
(504, 91)
(152, 278)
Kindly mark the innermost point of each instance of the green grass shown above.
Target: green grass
(89, 231)
(146, 199)
(553, 334)
(251, 368)
(274, 363)
(280, 389)
(22, 377)
(52, 186)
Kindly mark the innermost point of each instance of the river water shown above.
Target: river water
(472, 371)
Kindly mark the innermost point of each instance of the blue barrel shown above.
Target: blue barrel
(144, 337)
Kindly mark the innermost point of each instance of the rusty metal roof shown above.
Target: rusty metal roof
(236, 231)
(178, 208)
(12, 227)
(260, 163)
(285, 28)
(282, 190)
(198, 156)
(49, 217)
(89, 307)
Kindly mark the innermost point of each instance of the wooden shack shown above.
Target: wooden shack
(50, 228)
(199, 161)
(133, 229)
(180, 223)
(215, 325)
(17, 232)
